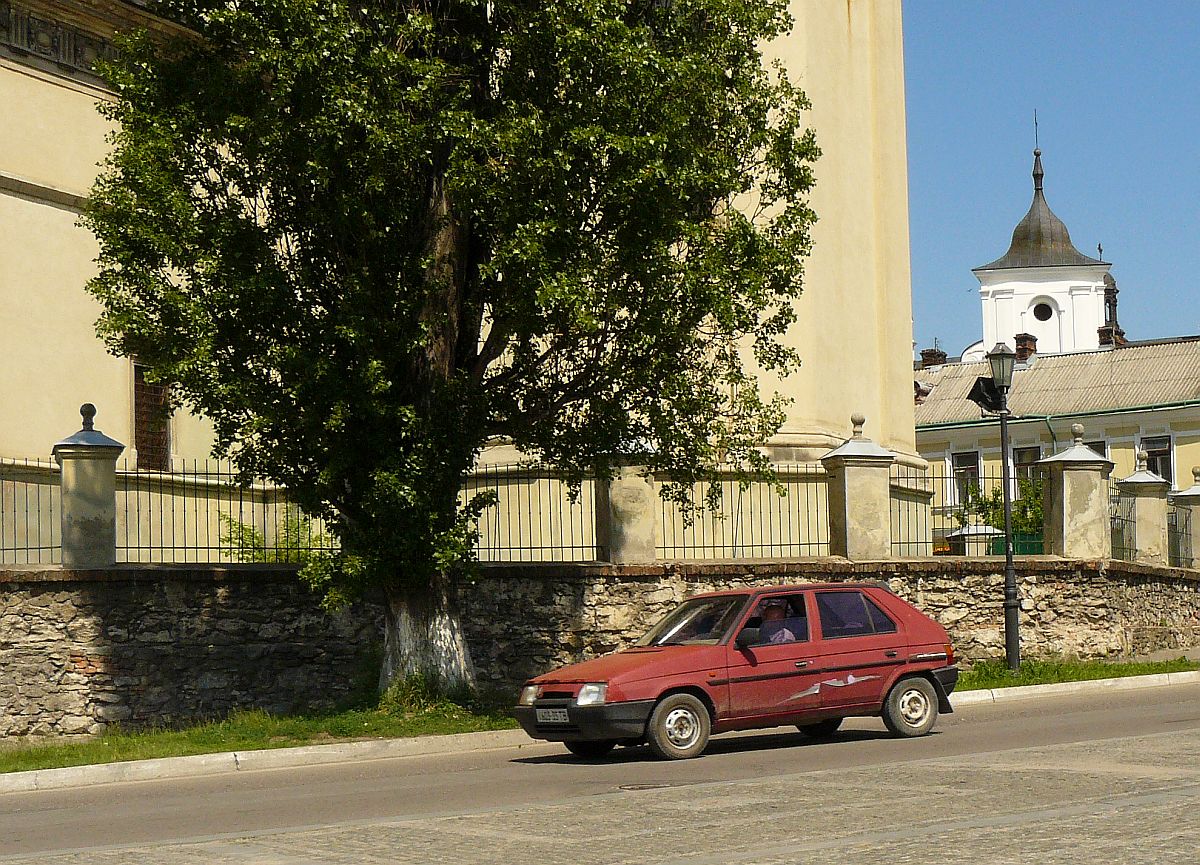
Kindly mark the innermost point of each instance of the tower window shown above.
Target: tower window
(1043, 312)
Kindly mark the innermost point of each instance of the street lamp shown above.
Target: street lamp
(1002, 359)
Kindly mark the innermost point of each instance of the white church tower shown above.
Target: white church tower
(1046, 288)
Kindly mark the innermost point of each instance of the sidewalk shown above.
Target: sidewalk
(420, 746)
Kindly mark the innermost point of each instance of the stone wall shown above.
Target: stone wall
(146, 646)
(525, 619)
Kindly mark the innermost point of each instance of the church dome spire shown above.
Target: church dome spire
(1040, 239)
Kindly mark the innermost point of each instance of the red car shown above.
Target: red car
(806, 655)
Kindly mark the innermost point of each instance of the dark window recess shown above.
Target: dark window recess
(1158, 456)
(150, 431)
(1042, 312)
(1025, 461)
(1100, 447)
(966, 475)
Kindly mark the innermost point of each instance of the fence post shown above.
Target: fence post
(627, 522)
(1190, 499)
(860, 503)
(1149, 494)
(1076, 518)
(88, 460)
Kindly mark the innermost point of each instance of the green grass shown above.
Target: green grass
(995, 674)
(412, 708)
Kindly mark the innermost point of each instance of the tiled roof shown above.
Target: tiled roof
(1145, 374)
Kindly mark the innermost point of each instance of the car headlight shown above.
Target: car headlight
(528, 694)
(592, 694)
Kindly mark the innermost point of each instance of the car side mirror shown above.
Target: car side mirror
(747, 637)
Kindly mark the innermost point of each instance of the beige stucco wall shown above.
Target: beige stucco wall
(1122, 433)
(51, 141)
(855, 317)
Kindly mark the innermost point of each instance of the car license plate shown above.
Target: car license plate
(552, 716)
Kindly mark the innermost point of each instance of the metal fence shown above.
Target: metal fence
(537, 517)
(30, 513)
(937, 512)
(1121, 519)
(758, 520)
(204, 514)
(1179, 536)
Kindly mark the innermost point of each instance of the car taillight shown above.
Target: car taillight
(949, 654)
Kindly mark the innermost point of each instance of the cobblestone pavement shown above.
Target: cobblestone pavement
(1133, 800)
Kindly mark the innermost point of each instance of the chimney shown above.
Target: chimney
(1026, 347)
(932, 357)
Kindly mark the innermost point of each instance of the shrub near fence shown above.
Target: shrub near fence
(203, 514)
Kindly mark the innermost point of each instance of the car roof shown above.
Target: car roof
(796, 587)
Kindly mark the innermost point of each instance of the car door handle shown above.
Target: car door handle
(889, 654)
(802, 663)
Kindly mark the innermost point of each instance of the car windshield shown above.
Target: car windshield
(700, 620)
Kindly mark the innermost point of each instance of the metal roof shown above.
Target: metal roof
(1133, 376)
(1040, 239)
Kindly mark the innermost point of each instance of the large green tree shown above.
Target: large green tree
(366, 239)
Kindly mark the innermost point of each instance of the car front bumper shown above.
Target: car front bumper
(606, 721)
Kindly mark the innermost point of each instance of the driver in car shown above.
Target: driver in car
(773, 629)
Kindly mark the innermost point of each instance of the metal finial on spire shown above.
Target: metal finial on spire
(1035, 131)
(1100, 251)
(1038, 174)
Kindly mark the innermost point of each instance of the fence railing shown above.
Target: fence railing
(758, 520)
(204, 514)
(1179, 536)
(1122, 527)
(30, 513)
(936, 512)
(537, 517)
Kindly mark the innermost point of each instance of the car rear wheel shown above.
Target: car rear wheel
(820, 729)
(679, 727)
(911, 709)
(591, 749)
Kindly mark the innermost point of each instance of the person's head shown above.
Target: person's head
(773, 613)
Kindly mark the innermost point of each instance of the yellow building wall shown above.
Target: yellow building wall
(855, 316)
(51, 142)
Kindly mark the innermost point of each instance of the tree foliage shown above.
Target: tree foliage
(367, 238)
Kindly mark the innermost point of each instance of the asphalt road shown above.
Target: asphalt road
(1082, 766)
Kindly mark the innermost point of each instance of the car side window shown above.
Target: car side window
(780, 619)
(851, 614)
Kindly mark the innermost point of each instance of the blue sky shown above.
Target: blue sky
(1116, 86)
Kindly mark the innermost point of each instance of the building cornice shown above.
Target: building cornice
(68, 38)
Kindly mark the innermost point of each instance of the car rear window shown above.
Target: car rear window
(851, 614)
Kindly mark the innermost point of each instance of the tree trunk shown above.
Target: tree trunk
(423, 634)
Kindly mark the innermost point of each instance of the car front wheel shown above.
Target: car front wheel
(591, 749)
(911, 708)
(679, 727)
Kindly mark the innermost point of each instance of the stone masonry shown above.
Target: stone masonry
(145, 646)
(523, 620)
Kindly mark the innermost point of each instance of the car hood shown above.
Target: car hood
(637, 663)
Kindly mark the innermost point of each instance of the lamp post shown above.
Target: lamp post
(1002, 359)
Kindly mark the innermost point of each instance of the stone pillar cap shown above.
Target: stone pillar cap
(1078, 453)
(88, 437)
(1143, 476)
(859, 446)
(1192, 492)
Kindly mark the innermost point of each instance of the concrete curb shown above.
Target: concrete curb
(276, 758)
(1029, 692)
(422, 746)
